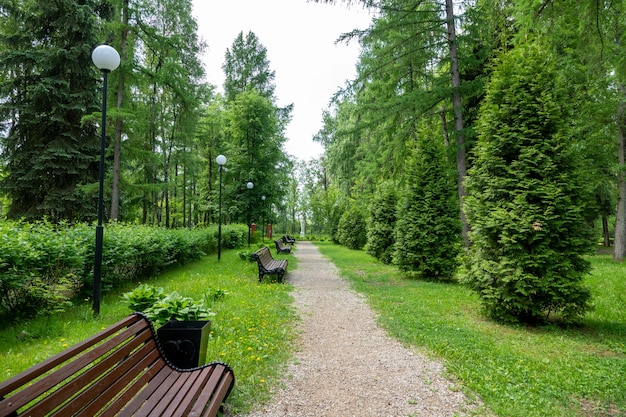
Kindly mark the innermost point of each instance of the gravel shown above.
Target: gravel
(346, 365)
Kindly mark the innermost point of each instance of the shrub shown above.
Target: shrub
(160, 307)
(143, 297)
(380, 229)
(351, 230)
(428, 231)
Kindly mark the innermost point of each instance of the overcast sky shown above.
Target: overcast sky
(300, 40)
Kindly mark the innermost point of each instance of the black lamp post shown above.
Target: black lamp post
(221, 161)
(263, 221)
(250, 186)
(106, 59)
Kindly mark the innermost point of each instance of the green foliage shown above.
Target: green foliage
(428, 230)
(160, 307)
(40, 265)
(43, 267)
(233, 236)
(143, 297)
(47, 87)
(176, 307)
(527, 203)
(351, 230)
(380, 229)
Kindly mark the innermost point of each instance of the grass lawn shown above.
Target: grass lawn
(252, 330)
(516, 370)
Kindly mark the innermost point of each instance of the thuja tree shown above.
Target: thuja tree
(380, 229)
(428, 230)
(526, 200)
(351, 230)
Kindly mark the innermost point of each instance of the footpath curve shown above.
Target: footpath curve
(346, 365)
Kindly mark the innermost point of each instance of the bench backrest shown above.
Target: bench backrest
(263, 256)
(98, 375)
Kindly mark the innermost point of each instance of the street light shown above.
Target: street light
(221, 161)
(106, 59)
(263, 221)
(250, 186)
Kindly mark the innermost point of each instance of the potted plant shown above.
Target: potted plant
(183, 324)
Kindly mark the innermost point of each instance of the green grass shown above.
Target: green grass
(252, 330)
(517, 371)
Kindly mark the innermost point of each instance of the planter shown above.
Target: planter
(184, 343)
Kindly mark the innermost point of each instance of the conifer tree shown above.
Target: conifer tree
(49, 85)
(380, 229)
(428, 230)
(526, 200)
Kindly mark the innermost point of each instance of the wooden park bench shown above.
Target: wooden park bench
(120, 371)
(288, 240)
(280, 248)
(268, 265)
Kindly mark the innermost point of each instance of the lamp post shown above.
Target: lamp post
(263, 221)
(106, 59)
(221, 161)
(250, 186)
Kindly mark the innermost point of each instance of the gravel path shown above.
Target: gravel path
(346, 365)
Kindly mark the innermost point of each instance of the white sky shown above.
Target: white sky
(300, 40)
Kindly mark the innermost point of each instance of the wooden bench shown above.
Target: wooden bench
(280, 248)
(288, 240)
(120, 371)
(268, 265)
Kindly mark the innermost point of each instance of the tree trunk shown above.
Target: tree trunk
(117, 148)
(461, 162)
(605, 232)
(619, 241)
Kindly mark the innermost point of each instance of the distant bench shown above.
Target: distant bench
(268, 265)
(288, 240)
(119, 371)
(280, 248)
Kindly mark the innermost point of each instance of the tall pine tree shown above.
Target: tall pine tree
(49, 85)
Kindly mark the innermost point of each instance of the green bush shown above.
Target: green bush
(351, 230)
(380, 229)
(40, 266)
(44, 266)
(160, 307)
(428, 230)
(143, 297)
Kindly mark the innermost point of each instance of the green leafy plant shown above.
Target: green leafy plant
(213, 295)
(143, 297)
(246, 255)
(176, 307)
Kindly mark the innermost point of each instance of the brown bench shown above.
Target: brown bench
(120, 371)
(268, 265)
(280, 248)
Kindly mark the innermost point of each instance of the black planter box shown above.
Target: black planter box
(184, 342)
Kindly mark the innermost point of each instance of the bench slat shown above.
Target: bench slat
(109, 388)
(120, 371)
(210, 397)
(20, 379)
(86, 384)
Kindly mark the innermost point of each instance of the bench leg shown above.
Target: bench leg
(280, 276)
